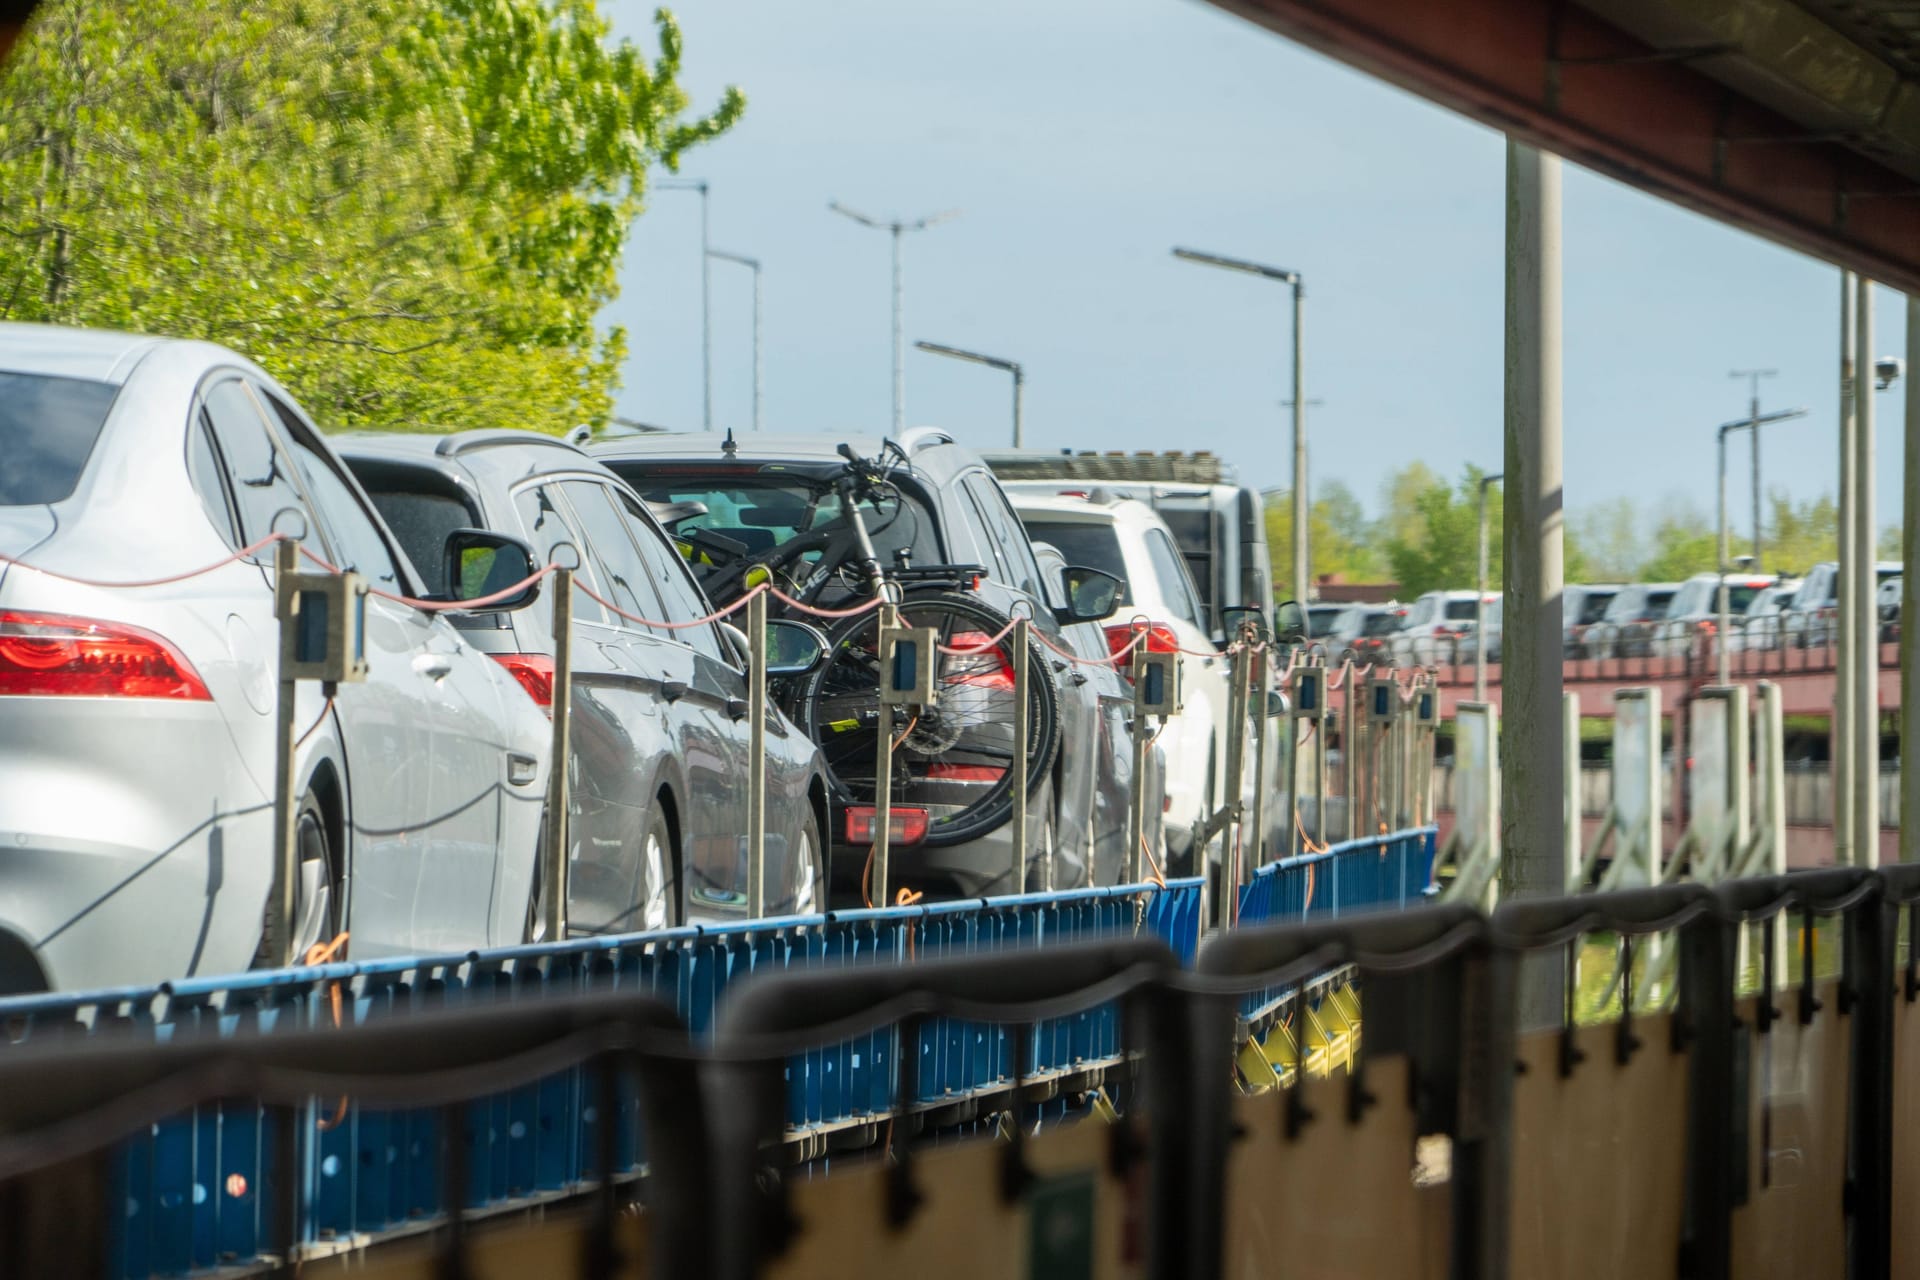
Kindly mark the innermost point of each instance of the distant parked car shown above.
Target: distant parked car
(1435, 625)
(1583, 605)
(1626, 629)
(1763, 627)
(1379, 624)
(1889, 601)
(1695, 610)
(137, 724)
(1810, 624)
(1471, 643)
(659, 741)
(1321, 619)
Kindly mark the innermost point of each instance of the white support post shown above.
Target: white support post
(1865, 723)
(1840, 630)
(1636, 789)
(1570, 764)
(1910, 553)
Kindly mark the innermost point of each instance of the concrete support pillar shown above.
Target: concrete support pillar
(1866, 583)
(1532, 831)
(1839, 631)
(1910, 553)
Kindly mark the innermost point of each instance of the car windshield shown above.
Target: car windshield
(761, 514)
(1320, 621)
(1462, 610)
(1593, 607)
(1382, 624)
(1089, 544)
(47, 430)
(1738, 597)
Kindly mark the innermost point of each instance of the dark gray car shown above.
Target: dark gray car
(952, 512)
(659, 740)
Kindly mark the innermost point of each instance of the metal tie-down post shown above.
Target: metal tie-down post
(757, 754)
(556, 865)
(1022, 731)
(909, 658)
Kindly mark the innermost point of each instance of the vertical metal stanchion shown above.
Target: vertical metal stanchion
(757, 756)
(1137, 802)
(1351, 740)
(1236, 780)
(1263, 725)
(1022, 730)
(1570, 763)
(286, 853)
(559, 788)
(883, 774)
(1320, 776)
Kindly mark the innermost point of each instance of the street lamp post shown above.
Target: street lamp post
(897, 227)
(992, 362)
(1753, 377)
(1480, 600)
(1752, 422)
(1302, 584)
(706, 294)
(752, 264)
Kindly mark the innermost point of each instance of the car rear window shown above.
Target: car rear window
(1193, 530)
(47, 431)
(1657, 602)
(1089, 545)
(1462, 610)
(1382, 624)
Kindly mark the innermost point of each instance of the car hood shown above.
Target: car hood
(21, 530)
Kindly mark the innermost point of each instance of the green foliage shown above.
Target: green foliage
(1684, 543)
(1433, 538)
(1339, 536)
(411, 211)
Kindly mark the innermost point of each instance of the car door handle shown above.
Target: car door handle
(434, 666)
(522, 769)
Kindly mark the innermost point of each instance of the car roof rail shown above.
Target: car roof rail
(914, 439)
(492, 437)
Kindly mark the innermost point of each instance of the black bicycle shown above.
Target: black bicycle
(955, 758)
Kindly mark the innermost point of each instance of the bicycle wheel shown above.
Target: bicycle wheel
(955, 758)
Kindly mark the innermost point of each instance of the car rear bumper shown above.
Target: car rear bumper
(133, 845)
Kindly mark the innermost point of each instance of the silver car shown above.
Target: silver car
(137, 722)
(658, 759)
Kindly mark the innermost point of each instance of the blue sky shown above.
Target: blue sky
(1082, 140)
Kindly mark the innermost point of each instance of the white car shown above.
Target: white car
(1126, 538)
(1695, 610)
(1809, 624)
(1765, 621)
(1435, 626)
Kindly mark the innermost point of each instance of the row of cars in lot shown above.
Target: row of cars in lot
(144, 479)
(1610, 620)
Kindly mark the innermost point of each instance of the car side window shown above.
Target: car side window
(261, 477)
(209, 480)
(680, 596)
(1172, 573)
(984, 537)
(546, 524)
(356, 543)
(626, 575)
(1010, 534)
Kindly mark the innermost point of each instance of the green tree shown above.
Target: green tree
(1609, 539)
(1684, 543)
(411, 211)
(1340, 538)
(1433, 537)
(1797, 535)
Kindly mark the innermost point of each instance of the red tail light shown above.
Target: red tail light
(904, 826)
(51, 654)
(1160, 639)
(974, 668)
(534, 671)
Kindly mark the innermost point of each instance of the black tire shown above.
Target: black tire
(318, 871)
(659, 835)
(838, 707)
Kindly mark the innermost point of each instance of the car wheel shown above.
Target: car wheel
(809, 870)
(659, 905)
(316, 890)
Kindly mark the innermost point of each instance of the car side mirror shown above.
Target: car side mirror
(481, 563)
(1092, 595)
(1237, 616)
(1290, 622)
(793, 648)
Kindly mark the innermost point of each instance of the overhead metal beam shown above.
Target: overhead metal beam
(1563, 79)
